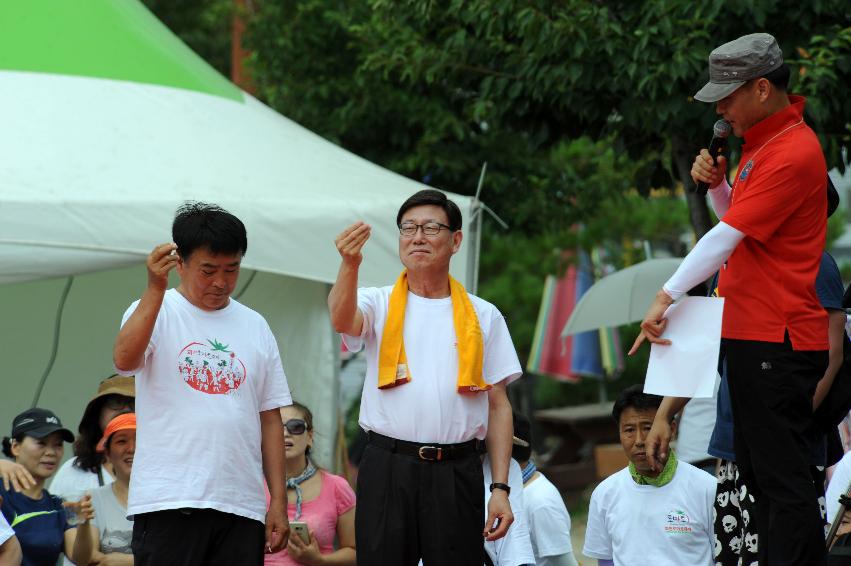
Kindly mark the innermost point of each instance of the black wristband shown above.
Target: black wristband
(503, 486)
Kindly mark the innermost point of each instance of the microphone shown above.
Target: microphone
(717, 146)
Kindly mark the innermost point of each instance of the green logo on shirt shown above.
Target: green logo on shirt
(21, 518)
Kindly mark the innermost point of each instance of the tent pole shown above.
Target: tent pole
(55, 349)
(475, 235)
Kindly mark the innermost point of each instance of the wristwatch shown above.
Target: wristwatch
(502, 486)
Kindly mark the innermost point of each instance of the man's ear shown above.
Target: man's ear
(457, 237)
(674, 427)
(763, 89)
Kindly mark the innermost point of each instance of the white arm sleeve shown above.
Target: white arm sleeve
(706, 258)
(720, 196)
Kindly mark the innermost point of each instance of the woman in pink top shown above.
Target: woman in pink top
(322, 500)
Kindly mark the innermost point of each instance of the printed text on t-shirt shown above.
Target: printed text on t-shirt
(211, 368)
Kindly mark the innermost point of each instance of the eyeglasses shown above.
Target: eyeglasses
(429, 228)
(295, 427)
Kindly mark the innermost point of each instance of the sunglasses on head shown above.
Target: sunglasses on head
(295, 426)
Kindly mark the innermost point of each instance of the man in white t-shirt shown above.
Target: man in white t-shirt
(642, 516)
(438, 363)
(839, 483)
(10, 548)
(515, 548)
(549, 521)
(209, 383)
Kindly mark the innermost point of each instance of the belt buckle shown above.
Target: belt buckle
(438, 453)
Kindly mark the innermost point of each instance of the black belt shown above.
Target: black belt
(428, 452)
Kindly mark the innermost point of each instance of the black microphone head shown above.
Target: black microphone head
(721, 129)
(832, 198)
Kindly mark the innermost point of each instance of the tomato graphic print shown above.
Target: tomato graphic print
(211, 368)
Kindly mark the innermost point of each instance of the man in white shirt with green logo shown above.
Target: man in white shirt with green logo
(642, 516)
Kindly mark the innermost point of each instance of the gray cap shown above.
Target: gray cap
(734, 63)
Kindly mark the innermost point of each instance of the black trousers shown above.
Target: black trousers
(197, 537)
(771, 389)
(410, 509)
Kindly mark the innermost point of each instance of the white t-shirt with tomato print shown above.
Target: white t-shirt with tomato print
(205, 379)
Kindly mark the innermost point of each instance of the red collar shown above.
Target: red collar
(760, 132)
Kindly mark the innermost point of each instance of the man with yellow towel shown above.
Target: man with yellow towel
(438, 363)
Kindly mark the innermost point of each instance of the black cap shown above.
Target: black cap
(39, 423)
(522, 449)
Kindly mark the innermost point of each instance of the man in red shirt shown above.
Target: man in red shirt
(767, 246)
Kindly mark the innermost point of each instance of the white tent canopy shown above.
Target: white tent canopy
(93, 167)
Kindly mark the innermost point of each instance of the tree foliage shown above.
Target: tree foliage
(581, 108)
(204, 25)
(434, 88)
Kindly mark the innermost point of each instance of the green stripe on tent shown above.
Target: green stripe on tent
(110, 39)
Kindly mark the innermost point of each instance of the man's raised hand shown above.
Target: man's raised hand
(160, 261)
(704, 170)
(654, 323)
(351, 241)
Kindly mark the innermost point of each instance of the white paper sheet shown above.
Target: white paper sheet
(687, 367)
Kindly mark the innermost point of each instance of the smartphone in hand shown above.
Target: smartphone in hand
(300, 528)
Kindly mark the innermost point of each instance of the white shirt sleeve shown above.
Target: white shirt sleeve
(154, 335)
(598, 541)
(837, 486)
(276, 390)
(551, 524)
(6, 531)
(706, 258)
(368, 298)
(720, 196)
(500, 358)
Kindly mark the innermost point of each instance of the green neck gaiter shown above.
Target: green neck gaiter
(663, 478)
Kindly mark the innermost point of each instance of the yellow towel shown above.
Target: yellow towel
(393, 363)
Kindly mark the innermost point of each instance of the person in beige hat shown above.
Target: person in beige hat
(88, 469)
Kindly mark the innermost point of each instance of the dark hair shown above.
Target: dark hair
(523, 431)
(7, 444)
(85, 445)
(308, 419)
(779, 77)
(201, 225)
(436, 198)
(635, 397)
